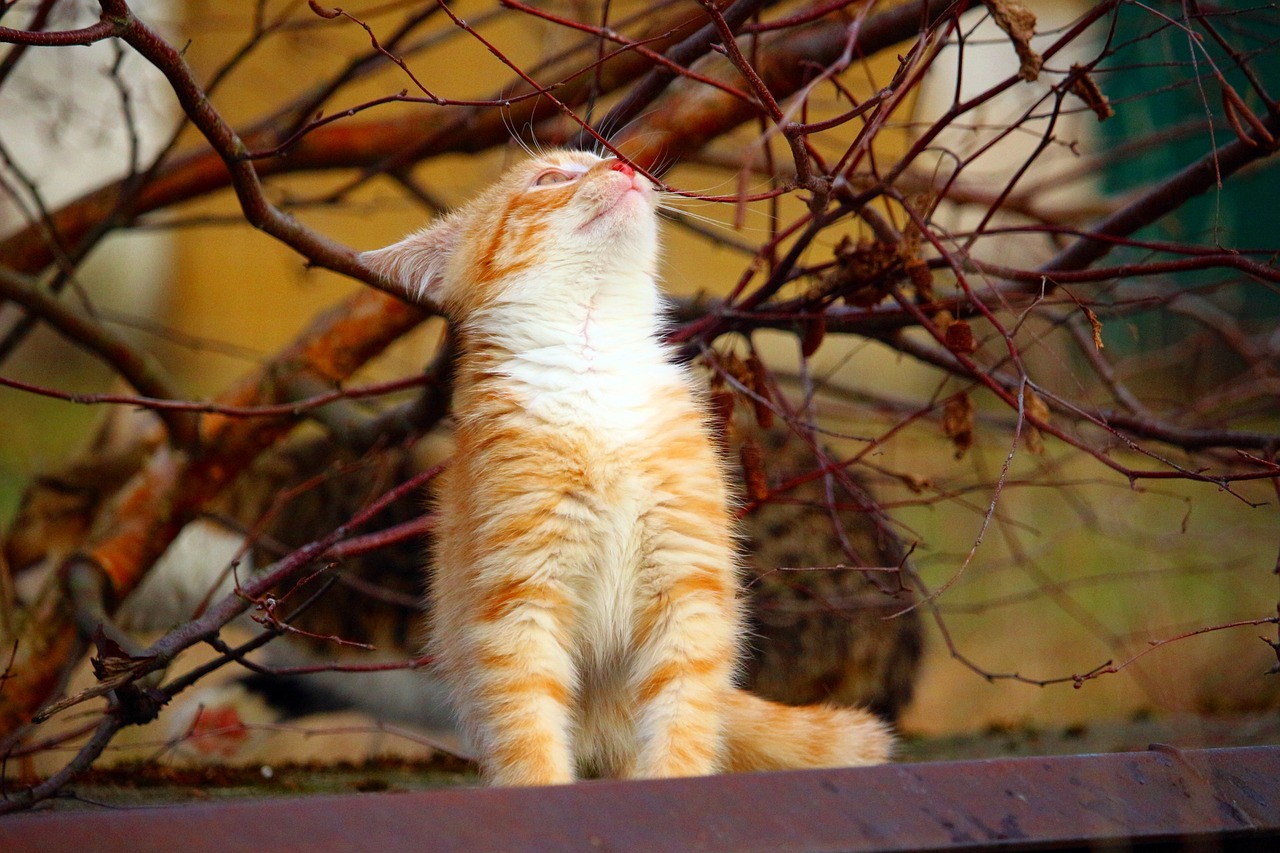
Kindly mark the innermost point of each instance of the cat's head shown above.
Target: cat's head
(557, 219)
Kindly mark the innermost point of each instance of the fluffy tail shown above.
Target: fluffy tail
(764, 735)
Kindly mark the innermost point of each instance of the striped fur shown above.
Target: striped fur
(586, 607)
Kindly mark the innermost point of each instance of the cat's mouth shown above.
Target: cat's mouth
(635, 192)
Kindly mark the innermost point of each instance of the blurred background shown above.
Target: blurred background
(1076, 566)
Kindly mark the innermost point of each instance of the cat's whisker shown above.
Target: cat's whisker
(720, 235)
(618, 133)
(677, 212)
(518, 137)
(733, 185)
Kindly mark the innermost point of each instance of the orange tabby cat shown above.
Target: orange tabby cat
(587, 615)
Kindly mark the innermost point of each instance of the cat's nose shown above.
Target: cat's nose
(619, 166)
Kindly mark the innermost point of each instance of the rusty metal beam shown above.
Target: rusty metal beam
(1162, 799)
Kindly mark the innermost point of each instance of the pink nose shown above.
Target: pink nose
(619, 166)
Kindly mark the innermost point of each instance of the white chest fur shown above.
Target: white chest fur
(591, 359)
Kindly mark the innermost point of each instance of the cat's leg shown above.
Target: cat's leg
(687, 634)
(518, 681)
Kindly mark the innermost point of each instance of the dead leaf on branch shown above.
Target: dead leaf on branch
(813, 333)
(863, 272)
(753, 475)
(1019, 22)
(115, 668)
(1095, 325)
(1084, 87)
(921, 277)
(959, 337)
(757, 381)
(1036, 408)
(957, 422)
(751, 376)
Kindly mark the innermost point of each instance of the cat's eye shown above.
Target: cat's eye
(551, 177)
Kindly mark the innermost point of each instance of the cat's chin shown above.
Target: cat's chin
(629, 210)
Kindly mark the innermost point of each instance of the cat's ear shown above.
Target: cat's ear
(416, 264)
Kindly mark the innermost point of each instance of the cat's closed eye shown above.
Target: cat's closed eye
(549, 177)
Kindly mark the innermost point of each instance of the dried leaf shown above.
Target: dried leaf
(735, 368)
(757, 375)
(863, 272)
(921, 278)
(115, 668)
(1018, 21)
(757, 380)
(113, 661)
(1084, 87)
(959, 337)
(1035, 408)
(814, 330)
(721, 405)
(1094, 324)
(957, 422)
(753, 476)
